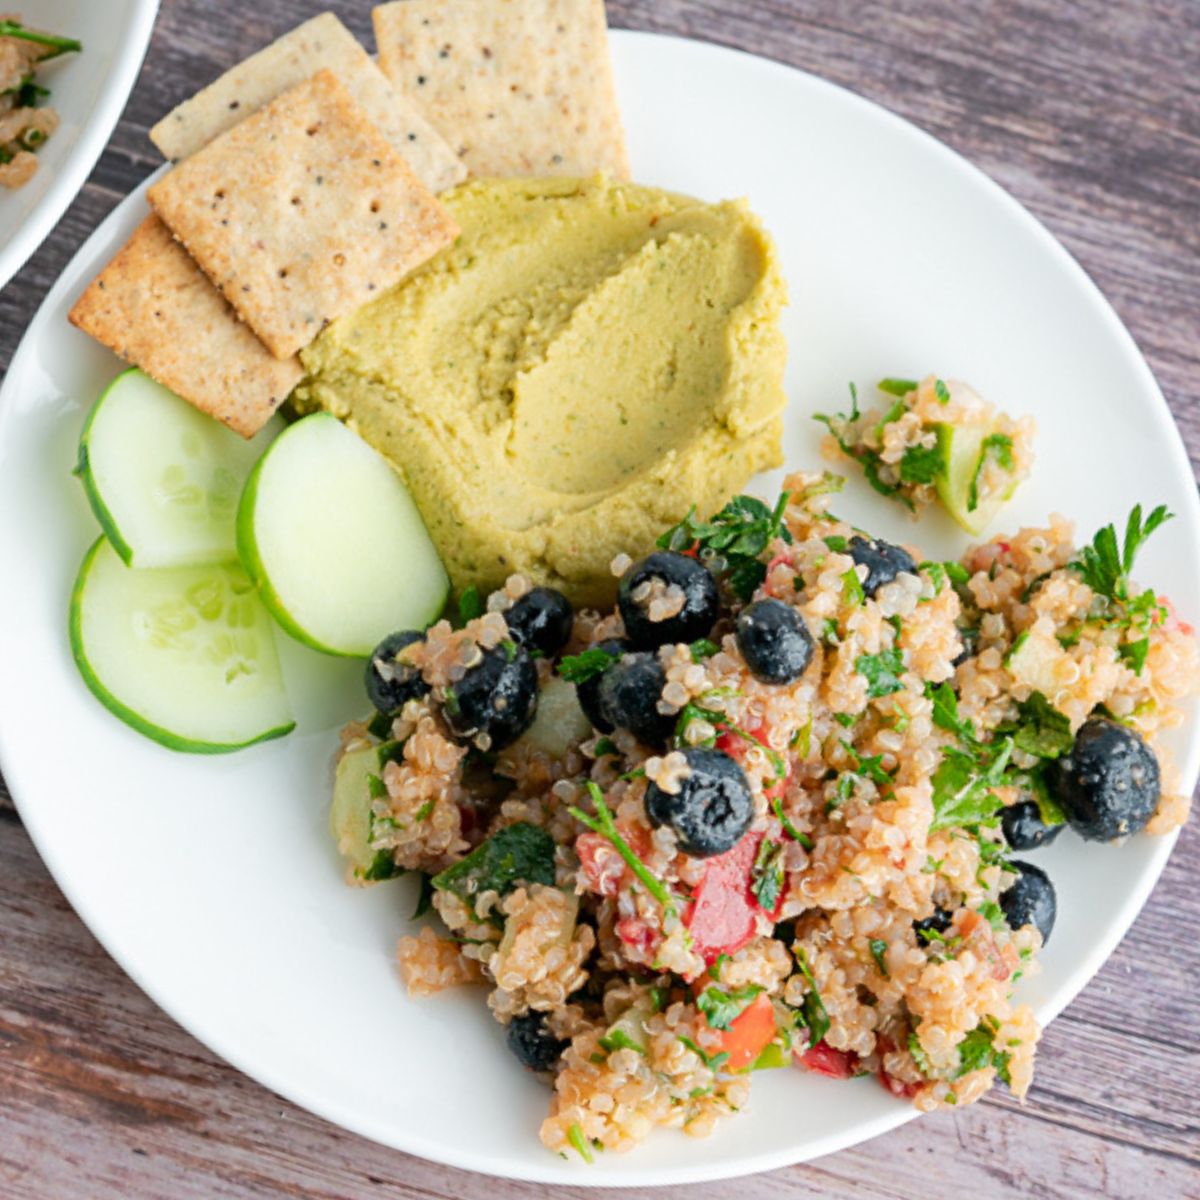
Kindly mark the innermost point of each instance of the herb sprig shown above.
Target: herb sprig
(732, 542)
(1105, 565)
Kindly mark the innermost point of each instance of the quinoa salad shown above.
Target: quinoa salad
(768, 812)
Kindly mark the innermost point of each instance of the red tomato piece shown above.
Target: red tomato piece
(749, 1033)
(823, 1059)
(722, 916)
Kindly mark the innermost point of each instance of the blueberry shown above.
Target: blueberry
(1108, 784)
(588, 692)
(774, 641)
(938, 923)
(629, 694)
(1030, 900)
(882, 560)
(533, 1045)
(701, 600)
(541, 620)
(713, 807)
(391, 684)
(1024, 828)
(495, 701)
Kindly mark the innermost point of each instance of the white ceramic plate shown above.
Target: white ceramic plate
(213, 881)
(89, 91)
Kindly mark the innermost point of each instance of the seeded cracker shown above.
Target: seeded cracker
(156, 309)
(302, 212)
(322, 42)
(517, 87)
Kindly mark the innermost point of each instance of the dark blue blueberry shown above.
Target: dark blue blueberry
(882, 560)
(629, 694)
(774, 641)
(390, 683)
(495, 701)
(588, 692)
(713, 807)
(1030, 900)
(927, 926)
(1109, 784)
(533, 1045)
(541, 620)
(1024, 828)
(701, 600)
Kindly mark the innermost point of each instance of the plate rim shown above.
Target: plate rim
(83, 156)
(553, 1173)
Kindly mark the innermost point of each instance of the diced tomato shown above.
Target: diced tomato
(749, 1033)
(823, 1059)
(634, 932)
(722, 915)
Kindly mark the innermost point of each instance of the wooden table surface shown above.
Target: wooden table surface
(1089, 112)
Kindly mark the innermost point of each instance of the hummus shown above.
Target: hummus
(588, 361)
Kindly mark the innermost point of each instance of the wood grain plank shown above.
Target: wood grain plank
(1090, 114)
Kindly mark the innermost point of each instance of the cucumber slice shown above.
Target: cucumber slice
(1034, 660)
(186, 655)
(358, 773)
(335, 543)
(163, 478)
(962, 448)
(560, 722)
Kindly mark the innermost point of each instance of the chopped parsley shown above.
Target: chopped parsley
(713, 1063)
(382, 867)
(813, 1010)
(766, 876)
(869, 766)
(795, 834)
(845, 720)
(618, 1039)
(721, 1007)
(424, 897)
(579, 668)
(897, 387)
(852, 590)
(977, 1051)
(1105, 565)
(606, 746)
(391, 752)
(520, 853)
(702, 648)
(919, 1057)
(1042, 730)
(732, 541)
(922, 464)
(836, 543)
(941, 391)
(881, 671)
(470, 605)
(963, 783)
(878, 950)
(1134, 653)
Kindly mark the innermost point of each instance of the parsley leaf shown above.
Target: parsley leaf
(922, 464)
(878, 950)
(1134, 653)
(918, 1054)
(1105, 566)
(714, 1062)
(732, 541)
(722, 1007)
(941, 391)
(579, 668)
(976, 1051)
(1043, 731)
(703, 648)
(766, 876)
(881, 671)
(813, 1010)
(963, 783)
(470, 605)
(897, 387)
(945, 712)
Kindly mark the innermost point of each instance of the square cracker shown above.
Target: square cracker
(322, 42)
(301, 213)
(157, 310)
(517, 87)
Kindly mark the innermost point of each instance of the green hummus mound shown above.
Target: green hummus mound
(588, 361)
